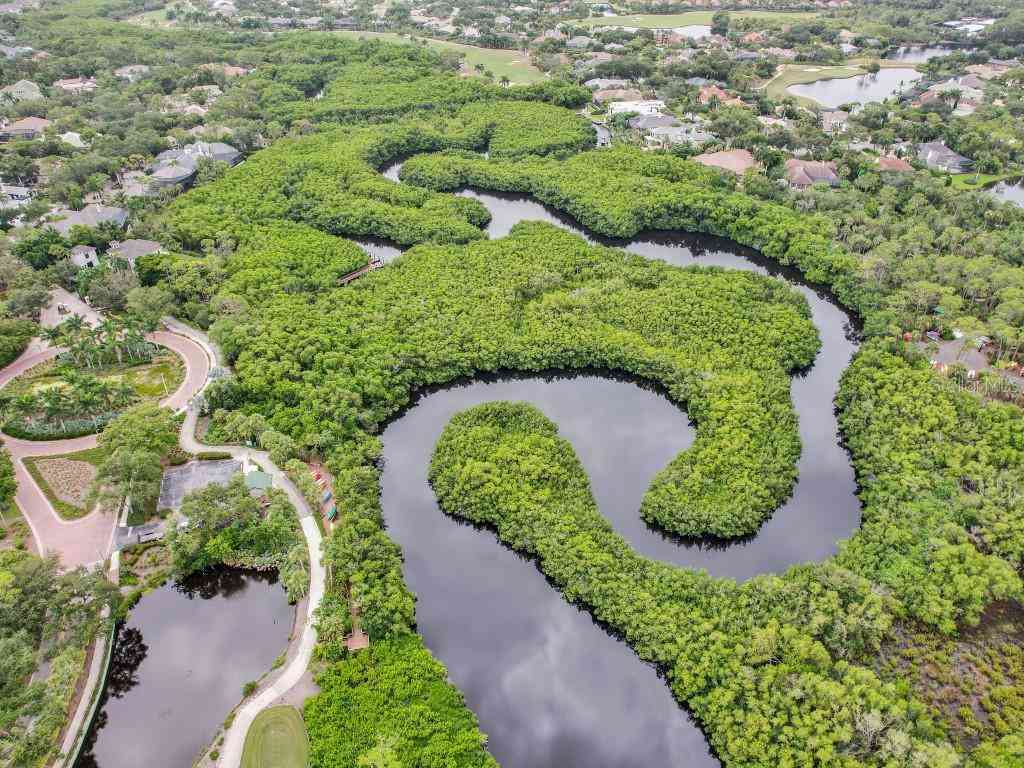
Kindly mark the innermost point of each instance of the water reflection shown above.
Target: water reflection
(862, 89)
(918, 54)
(179, 664)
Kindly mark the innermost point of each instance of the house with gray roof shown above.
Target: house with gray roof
(23, 90)
(936, 155)
(669, 135)
(644, 123)
(91, 215)
(132, 250)
(83, 256)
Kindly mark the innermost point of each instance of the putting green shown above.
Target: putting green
(276, 739)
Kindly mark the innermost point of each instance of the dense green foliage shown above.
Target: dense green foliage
(721, 342)
(226, 525)
(621, 192)
(732, 653)
(44, 614)
(392, 700)
(14, 337)
(328, 179)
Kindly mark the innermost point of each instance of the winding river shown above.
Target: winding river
(550, 686)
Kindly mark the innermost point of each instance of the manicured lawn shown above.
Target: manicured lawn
(153, 380)
(665, 21)
(975, 182)
(276, 739)
(55, 483)
(515, 65)
(794, 74)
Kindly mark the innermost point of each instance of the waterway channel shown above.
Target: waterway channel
(550, 686)
(179, 664)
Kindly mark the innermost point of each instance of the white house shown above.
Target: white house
(650, 107)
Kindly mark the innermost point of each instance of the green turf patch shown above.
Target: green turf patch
(276, 739)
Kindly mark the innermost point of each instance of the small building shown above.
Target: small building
(26, 128)
(132, 250)
(889, 164)
(132, 72)
(83, 256)
(91, 215)
(279, 22)
(644, 123)
(76, 85)
(14, 195)
(835, 121)
(579, 43)
(802, 174)
(23, 90)
(753, 37)
(712, 92)
(648, 107)
(258, 482)
(606, 83)
(936, 155)
(737, 161)
(73, 139)
(669, 135)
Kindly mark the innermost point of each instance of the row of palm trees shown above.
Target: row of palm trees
(111, 341)
(78, 397)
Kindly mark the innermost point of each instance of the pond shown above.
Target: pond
(544, 679)
(1009, 192)
(862, 89)
(179, 664)
(918, 54)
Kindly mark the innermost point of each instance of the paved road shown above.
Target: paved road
(85, 541)
(277, 685)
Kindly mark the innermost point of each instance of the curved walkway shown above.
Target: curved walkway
(85, 541)
(280, 684)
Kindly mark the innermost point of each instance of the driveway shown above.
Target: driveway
(85, 541)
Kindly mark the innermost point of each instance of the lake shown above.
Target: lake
(862, 89)
(1009, 192)
(179, 664)
(918, 54)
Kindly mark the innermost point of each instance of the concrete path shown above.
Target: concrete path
(277, 685)
(85, 541)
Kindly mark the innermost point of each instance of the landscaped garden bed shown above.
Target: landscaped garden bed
(66, 480)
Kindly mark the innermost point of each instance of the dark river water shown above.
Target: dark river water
(179, 664)
(861, 89)
(552, 688)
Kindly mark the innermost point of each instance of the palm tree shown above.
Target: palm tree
(26, 406)
(53, 335)
(504, 81)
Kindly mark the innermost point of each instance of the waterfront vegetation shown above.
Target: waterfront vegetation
(45, 616)
(391, 705)
(793, 669)
(227, 525)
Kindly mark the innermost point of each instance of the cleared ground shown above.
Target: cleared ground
(515, 65)
(665, 21)
(276, 739)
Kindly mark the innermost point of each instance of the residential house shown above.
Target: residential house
(835, 121)
(26, 128)
(805, 173)
(648, 107)
(746, 56)
(73, 139)
(132, 72)
(669, 135)
(644, 123)
(846, 36)
(781, 53)
(132, 250)
(311, 22)
(15, 51)
(617, 94)
(890, 164)
(76, 85)
(736, 161)
(83, 256)
(210, 92)
(936, 155)
(178, 166)
(14, 196)
(776, 122)
(712, 93)
(91, 216)
(579, 43)
(279, 22)
(23, 90)
(605, 83)
(847, 49)
(228, 70)
(753, 37)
